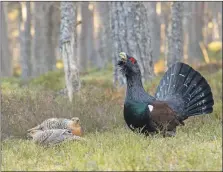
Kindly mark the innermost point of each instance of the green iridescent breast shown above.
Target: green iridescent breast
(135, 113)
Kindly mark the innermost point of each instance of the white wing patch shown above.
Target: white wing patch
(150, 108)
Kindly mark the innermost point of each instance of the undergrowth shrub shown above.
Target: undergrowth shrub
(10, 83)
(95, 109)
(53, 80)
(98, 105)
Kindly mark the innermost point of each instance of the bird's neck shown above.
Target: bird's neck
(134, 81)
(135, 89)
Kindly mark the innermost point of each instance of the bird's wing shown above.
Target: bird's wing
(57, 136)
(46, 124)
(163, 116)
(60, 135)
(41, 136)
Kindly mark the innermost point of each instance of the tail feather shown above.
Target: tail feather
(185, 90)
(173, 80)
(202, 87)
(202, 102)
(199, 100)
(38, 127)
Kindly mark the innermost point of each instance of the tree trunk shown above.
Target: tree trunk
(216, 9)
(118, 34)
(186, 19)
(86, 38)
(69, 46)
(103, 39)
(195, 31)
(131, 34)
(175, 37)
(6, 59)
(165, 17)
(25, 40)
(44, 56)
(154, 21)
(50, 48)
(55, 25)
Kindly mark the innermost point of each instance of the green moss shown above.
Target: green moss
(53, 80)
(215, 55)
(8, 84)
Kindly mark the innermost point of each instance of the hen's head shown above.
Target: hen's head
(76, 127)
(128, 65)
(76, 120)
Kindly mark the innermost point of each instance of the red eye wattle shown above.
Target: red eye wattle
(132, 60)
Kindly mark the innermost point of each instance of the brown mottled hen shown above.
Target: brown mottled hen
(72, 124)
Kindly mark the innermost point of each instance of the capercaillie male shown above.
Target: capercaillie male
(182, 92)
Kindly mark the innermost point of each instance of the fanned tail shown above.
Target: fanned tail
(185, 90)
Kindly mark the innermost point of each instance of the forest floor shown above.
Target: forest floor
(109, 144)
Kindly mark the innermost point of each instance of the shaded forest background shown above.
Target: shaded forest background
(30, 34)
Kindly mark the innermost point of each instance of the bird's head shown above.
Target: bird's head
(128, 65)
(76, 120)
(75, 126)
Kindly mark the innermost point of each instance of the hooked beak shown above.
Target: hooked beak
(123, 56)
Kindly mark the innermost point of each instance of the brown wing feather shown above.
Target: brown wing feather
(164, 116)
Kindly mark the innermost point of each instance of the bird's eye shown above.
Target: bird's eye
(132, 60)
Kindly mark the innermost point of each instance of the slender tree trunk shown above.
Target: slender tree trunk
(175, 38)
(195, 31)
(87, 30)
(55, 25)
(50, 48)
(216, 8)
(131, 34)
(68, 46)
(155, 29)
(37, 65)
(118, 34)
(219, 19)
(44, 56)
(25, 40)
(186, 19)
(102, 10)
(165, 16)
(6, 59)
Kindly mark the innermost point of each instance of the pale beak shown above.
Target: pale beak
(123, 56)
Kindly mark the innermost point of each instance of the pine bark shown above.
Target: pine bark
(68, 47)
(44, 54)
(154, 21)
(55, 25)
(195, 30)
(175, 36)
(6, 60)
(103, 39)
(25, 40)
(86, 37)
(216, 8)
(131, 34)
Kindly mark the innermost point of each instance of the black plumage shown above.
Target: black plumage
(181, 93)
(185, 91)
